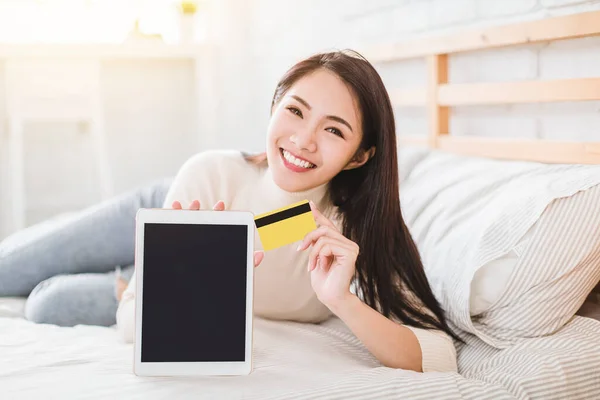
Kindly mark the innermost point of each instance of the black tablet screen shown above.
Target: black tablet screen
(194, 293)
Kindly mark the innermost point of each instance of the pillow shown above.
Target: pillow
(510, 248)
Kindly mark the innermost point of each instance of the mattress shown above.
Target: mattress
(297, 361)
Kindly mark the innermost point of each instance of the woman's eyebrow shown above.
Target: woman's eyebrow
(340, 120)
(301, 100)
(331, 117)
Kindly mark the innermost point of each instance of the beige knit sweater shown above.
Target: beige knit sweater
(282, 283)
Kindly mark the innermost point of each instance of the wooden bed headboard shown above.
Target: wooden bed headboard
(440, 95)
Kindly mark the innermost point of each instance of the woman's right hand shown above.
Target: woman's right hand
(220, 206)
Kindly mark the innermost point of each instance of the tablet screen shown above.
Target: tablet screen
(194, 293)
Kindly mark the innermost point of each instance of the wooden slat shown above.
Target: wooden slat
(526, 150)
(584, 89)
(520, 92)
(439, 116)
(408, 97)
(558, 28)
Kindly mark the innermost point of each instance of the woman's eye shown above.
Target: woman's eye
(294, 110)
(335, 131)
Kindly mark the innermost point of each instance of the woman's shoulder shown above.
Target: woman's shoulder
(219, 169)
(217, 163)
(215, 159)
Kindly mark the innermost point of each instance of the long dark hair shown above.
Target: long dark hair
(389, 272)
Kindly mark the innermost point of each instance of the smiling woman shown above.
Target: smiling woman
(331, 139)
(311, 130)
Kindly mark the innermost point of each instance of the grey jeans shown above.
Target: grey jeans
(67, 269)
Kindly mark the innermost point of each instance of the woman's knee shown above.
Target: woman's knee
(44, 303)
(69, 300)
(154, 194)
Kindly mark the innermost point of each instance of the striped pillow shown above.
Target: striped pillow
(558, 267)
(511, 249)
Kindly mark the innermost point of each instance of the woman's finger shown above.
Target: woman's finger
(195, 205)
(321, 231)
(176, 205)
(314, 253)
(327, 247)
(322, 254)
(320, 218)
(259, 255)
(220, 206)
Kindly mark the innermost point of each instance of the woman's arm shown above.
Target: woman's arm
(331, 263)
(396, 345)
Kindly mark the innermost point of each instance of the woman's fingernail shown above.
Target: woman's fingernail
(299, 247)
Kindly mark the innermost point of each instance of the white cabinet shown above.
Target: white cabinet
(52, 90)
(79, 124)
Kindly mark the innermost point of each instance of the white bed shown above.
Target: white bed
(305, 361)
(12, 307)
(296, 361)
(518, 343)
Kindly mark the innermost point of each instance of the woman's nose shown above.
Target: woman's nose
(304, 140)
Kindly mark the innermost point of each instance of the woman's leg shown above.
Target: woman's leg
(69, 300)
(93, 240)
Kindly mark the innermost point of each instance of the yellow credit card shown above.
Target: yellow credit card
(285, 225)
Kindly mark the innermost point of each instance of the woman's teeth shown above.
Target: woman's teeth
(293, 160)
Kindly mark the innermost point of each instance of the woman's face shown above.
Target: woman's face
(314, 132)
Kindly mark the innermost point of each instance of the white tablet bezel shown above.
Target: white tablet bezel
(170, 216)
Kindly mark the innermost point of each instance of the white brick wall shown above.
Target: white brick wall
(257, 40)
(444, 12)
(284, 31)
(498, 9)
(559, 3)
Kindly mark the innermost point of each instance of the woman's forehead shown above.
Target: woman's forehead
(327, 94)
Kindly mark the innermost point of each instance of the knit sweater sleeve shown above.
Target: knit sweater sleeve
(437, 349)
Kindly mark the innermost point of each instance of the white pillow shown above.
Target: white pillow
(489, 282)
(484, 227)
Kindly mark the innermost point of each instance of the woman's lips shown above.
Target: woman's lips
(293, 167)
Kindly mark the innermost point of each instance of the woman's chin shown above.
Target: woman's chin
(289, 184)
(290, 187)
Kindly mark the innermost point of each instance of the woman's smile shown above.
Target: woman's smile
(295, 163)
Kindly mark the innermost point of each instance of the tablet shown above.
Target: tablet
(194, 291)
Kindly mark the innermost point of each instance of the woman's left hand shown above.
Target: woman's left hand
(331, 261)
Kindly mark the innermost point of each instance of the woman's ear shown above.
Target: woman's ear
(360, 158)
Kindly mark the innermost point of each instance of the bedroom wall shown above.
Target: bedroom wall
(282, 32)
(154, 119)
(254, 42)
(150, 125)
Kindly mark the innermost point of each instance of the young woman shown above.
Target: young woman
(331, 139)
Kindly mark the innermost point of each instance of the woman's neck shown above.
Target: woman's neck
(319, 195)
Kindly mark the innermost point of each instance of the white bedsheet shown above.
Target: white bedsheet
(296, 361)
(12, 307)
